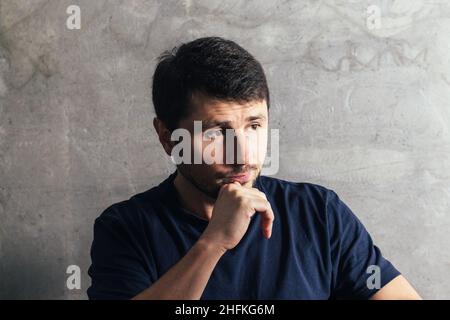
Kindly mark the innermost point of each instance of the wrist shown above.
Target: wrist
(206, 244)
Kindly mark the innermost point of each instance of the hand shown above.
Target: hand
(234, 207)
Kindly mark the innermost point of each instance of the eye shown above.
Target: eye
(255, 126)
(212, 134)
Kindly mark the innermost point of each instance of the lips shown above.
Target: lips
(241, 178)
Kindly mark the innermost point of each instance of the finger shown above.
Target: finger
(228, 186)
(255, 192)
(264, 208)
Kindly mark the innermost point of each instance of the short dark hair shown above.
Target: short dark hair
(213, 66)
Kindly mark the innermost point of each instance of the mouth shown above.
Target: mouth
(241, 178)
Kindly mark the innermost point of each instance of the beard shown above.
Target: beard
(212, 188)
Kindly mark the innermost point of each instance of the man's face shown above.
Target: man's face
(247, 126)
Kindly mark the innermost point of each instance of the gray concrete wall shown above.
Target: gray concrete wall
(362, 109)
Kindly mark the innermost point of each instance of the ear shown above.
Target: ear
(164, 135)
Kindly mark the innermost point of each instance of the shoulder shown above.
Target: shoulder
(309, 199)
(303, 190)
(130, 211)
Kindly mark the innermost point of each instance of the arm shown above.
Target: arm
(397, 289)
(188, 278)
(354, 253)
(230, 219)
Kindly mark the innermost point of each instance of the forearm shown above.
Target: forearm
(397, 289)
(188, 278)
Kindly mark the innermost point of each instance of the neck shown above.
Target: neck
(193, 199)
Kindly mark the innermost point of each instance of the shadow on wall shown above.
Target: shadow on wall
(28, 273)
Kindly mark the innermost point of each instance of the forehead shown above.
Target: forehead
(205, 108)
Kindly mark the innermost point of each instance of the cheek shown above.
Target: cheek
(257, 146)
(197, 147)
(206, 154)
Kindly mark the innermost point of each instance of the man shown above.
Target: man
(221, 230)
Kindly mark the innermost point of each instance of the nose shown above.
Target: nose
(237, 148)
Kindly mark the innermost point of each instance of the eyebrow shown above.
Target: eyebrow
(257, 117)
(207, 124)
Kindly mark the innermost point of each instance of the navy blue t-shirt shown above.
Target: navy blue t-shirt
(318, 248)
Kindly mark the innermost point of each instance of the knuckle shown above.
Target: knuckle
(234, 192)
(262, 194)
(241, 201)
(227, 187)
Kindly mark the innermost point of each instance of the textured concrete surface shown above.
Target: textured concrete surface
(360, 110)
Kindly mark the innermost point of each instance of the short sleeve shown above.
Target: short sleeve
(117, 270)
(356, 259)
